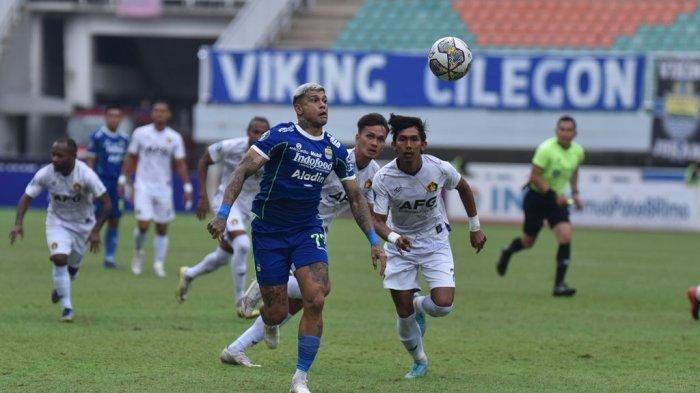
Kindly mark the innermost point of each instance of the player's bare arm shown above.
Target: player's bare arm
(181, 168)
(402, 243)
(128, 169)
(360, 211)
(18, 229)
(202, 169)
(476, 236)
(249, 165)
(574, 190)
(542, 186)
(94, 237)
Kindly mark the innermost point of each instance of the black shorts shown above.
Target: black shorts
(537, 208)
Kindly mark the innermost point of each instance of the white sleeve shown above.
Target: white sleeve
(37, 185)
(381, 196)
(216, 151)
(134, 144)
(95, 184)
(452, 177)
(179, 151)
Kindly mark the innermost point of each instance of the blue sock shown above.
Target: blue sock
(111, 236)
(308, 347)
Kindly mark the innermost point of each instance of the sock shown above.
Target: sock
(563, 259)
(697, 292)
(209, 263)
(425, 304)
(61, 283)
(111, 237)
(73, 272)
(241, 247)
(252, 336)
(293, 290)
(307, 350)
(139, 239)
(409, 334)
(515, 246)
(160, 248)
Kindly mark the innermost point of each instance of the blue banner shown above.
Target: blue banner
(506, 82)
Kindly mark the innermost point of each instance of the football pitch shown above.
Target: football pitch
(628, 328)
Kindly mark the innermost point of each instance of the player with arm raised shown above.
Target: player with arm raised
(154, 146)
(70, 218)
(554, 167)
(235, 246)
(286, 229)
(372, 131)
(409, 188)
(105, 156)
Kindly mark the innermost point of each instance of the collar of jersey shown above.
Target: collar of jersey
(309, 136)
(109, 133)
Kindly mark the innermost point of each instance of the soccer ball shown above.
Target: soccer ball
(449, 58)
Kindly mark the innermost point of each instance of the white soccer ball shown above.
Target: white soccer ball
(450, 58)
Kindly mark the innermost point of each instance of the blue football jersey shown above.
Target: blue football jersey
(109, 149)
(290, 189)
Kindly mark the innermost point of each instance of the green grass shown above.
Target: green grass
(628, 329)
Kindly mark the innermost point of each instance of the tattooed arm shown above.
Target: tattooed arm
(360, 211)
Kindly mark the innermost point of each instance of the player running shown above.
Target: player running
(554, 167)
(417, 237)
(70, 218)
(372, 130)
(106, 151)
(235, 245)
(154, 147)
(286, 229)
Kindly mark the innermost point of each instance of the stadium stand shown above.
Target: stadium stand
(627, 25)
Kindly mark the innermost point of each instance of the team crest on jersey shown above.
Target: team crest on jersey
(328, 152)
(168, 140)
(54, 245)
(368, 183)
(76, 187)
(432, 187)
(298, 145)
(234, 221)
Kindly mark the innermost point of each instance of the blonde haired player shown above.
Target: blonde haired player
(417, 236)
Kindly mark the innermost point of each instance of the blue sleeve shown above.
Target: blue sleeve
(343, 167)
(269, 141)
(92, 145)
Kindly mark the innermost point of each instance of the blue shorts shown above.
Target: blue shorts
(111, 185)
(275, 252)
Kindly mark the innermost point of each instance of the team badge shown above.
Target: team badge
(328, 152)
(432, 187)
(298, 146)
(168, 140)
(234, 221)
(368, 183)
(54, 245)
(76, 187)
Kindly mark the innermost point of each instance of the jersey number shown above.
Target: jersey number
(320, 239)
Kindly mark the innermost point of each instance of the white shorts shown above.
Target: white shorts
(238, 219)
(151, 207)
(62, 240)
(402, 270)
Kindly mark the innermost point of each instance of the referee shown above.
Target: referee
(554, 166)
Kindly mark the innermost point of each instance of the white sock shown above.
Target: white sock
(160, 248)
(697, 292)
(293, 290)
(426, 305)
(252, 336)
(209, 263)
(61, 283)
(409, 334)
(239, 268)
(139, 239)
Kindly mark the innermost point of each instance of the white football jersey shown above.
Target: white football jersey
(334, 201)
(156, 150)
(229, 153)
(414, 202)
(70, 197)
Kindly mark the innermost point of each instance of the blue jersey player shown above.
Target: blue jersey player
(287, 231)
(106, 152)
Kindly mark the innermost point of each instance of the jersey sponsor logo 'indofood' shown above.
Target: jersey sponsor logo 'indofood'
(312, 162)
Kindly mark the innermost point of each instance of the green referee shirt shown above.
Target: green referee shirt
(558, 164)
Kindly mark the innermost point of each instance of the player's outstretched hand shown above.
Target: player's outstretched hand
(378, 256)
(578, 203)
(202, 208)
(562, 201)
(478, 239)
(17, 230)
(95, 241)
(216, 228)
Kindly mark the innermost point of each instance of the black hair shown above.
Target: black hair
(567, 118)
(112, 106)
(260, 119)
(372, 119)
(161, 102)
(399, 123)
(72, 146)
